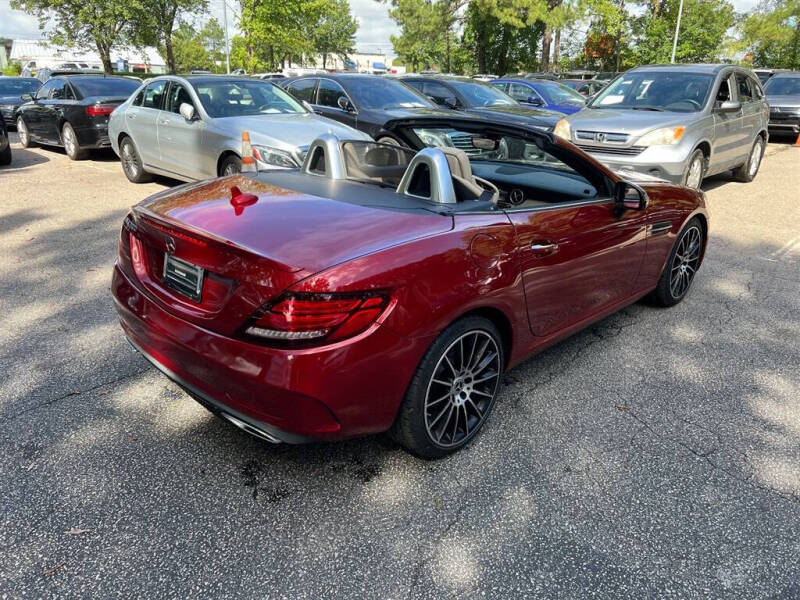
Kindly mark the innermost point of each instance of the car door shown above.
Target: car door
(33, 114)
(577, 257)
(727, 126)
(141, 121)
(304, 89)
(327, 102)
(180, 141)
(58, 107)
(751, 114)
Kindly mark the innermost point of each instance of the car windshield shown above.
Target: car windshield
(380, 93)
(557, 93)
(238, 98)
(17, 87)
(783, 86)
(671, 91)
(482, 94)
(105, 86)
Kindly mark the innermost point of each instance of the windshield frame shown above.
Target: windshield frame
(639, 76)
(278, 91)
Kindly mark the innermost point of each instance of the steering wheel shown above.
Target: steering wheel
(488, 186)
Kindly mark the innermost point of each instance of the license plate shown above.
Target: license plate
(183, 277)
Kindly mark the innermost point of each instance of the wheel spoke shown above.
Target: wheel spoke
(482, 379)
(475, 407)
(441, 414)
(474, 391)
(440, 382)
(466, 420)
(449, 364)
(485, 363)
(445, 397)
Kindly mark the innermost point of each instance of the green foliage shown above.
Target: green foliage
(421, 43)
(158, 20)
(202, 49)
(772, 34)
(101, 24)
(336, 31)
(13, 69)
(704, 25)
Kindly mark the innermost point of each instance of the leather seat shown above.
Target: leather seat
(464, 182)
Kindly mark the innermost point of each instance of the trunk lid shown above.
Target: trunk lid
(250, 254)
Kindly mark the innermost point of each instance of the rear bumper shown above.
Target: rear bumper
(327, 393)
(93, 136)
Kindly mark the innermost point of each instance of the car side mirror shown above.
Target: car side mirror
(628, 196)
(187, 111)
(345, 104)
(534, 101)
(26, 97)
(728, 106)
(451, 102)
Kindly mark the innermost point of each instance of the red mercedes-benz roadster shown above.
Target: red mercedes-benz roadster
(382, 287)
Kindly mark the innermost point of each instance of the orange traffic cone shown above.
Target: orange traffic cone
(797, 141)
(248, 162)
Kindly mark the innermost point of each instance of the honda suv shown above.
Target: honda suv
(681, 123)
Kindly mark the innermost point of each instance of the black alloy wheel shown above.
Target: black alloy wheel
(684, 259)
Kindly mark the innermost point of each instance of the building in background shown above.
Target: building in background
(360, 62)
(39, 54)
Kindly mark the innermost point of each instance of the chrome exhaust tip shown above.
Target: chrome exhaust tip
(250, 429)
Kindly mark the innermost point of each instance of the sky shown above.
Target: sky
(374, 29)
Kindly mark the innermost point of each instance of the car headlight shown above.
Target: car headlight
(433, 137)
(275, 157)
(666, 136)
(563, 130)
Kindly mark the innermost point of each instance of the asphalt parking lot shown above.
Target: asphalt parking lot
(655, 455)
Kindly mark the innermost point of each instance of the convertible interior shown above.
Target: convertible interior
(454, 171)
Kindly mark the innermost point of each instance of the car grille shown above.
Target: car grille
(630, 151)
(463, 141)
(601, 136)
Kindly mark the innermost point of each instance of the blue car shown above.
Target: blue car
(542, 93)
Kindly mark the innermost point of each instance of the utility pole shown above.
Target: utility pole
(227, 46)
(677, 29)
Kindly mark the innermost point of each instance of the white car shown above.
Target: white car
(190, 128)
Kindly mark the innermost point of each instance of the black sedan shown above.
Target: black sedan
(481, 99)
(72, 111)
(11, 91)
(5, 146)
(365, 102)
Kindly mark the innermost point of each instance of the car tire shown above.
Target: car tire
(5, 155)
(71, 145)
(748, 171)
(695, 170)
(230, 166)
(456, 383)
(132, 163)
(23, 133)
(684, 258)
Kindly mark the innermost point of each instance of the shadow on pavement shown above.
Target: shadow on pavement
(654, 453)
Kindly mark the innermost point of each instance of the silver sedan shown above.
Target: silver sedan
(190, 128)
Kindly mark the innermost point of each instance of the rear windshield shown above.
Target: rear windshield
(17, 87)
(104, 86)
(783, 86)
(657, 91)
(240, 97)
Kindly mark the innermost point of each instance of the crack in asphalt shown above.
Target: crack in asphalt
(71, 394)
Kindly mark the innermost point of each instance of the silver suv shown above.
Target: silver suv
(676, 122)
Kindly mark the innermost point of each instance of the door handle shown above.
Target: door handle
(540, 249)
(130, 116)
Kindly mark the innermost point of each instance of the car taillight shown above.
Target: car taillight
(298, 318)
(137, 256)
(100, 110)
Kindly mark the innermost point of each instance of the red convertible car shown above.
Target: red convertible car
(382, 287)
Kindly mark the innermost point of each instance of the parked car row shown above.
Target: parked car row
(677, 122)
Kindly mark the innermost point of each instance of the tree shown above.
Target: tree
(336, 31)
(704, 25)
(158, 20)
(101, 24)
(772, 34)
(212, 36)
(421, 42)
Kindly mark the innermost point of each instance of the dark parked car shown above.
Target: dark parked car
(552, 95)
(5, 146)
(783, 96)
(11, 92)
(481, 99)
(72, 111)
(365, 102)
(382, 288)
